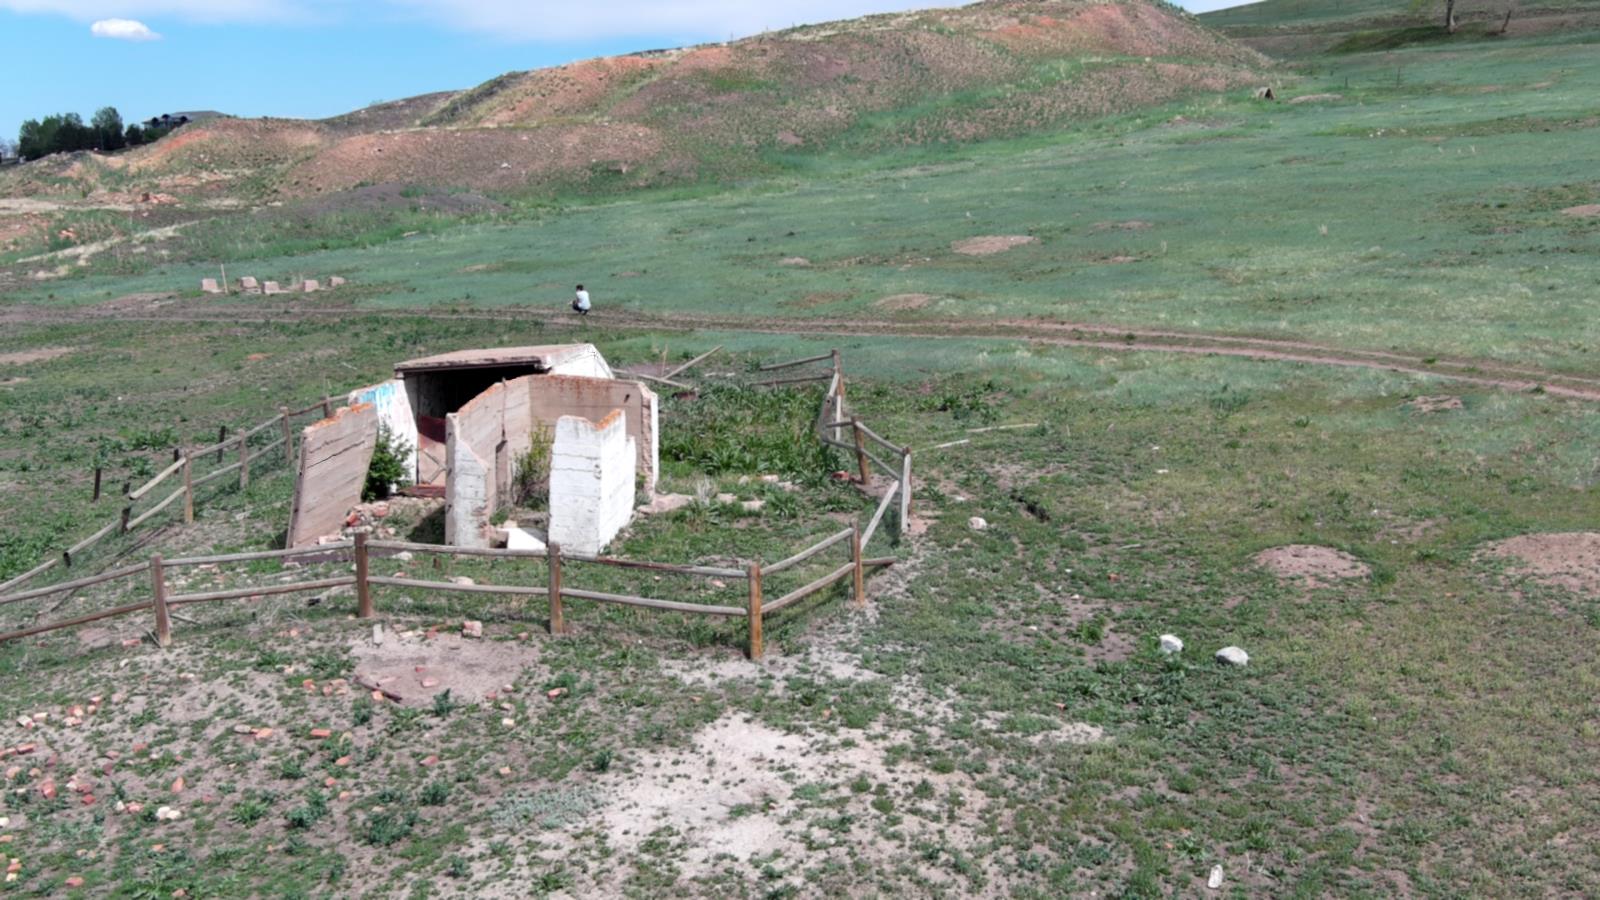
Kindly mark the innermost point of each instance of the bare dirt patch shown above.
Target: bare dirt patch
(1586, 211)
(43, 354)
(904, 302)
(816, 299)
(1316, 98)
(991, 244)
(416, 667)
(1312, 565)
(1568, 560)
(1435, 404)
(1130, 225)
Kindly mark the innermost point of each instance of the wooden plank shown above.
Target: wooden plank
(244, 463)
(260, 428)
(150, 485)
(624, 376)
(213, 476)
(31, 574)
(820, 584)
(263, 591)
(703, 571)
(754, 613)
(857, 567)
(151, 513)
(773, 367)
(694, 362)
(486, 552)
(260, 555)
(81, 620)
(879, 439)
(1002, 428)
(861, 452)
(880, 562)
(648, 603)
(188, 491)
(808, 553)
(877, 516)
(782, 381)
(905, 495)
(86, 543)
(217, 448)
(65, 586)
(517, 591)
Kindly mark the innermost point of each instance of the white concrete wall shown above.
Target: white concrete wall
(591, 482)
(587, 363)
(394, 412)
(471, 484)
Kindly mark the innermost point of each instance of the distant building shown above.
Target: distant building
(166, 121)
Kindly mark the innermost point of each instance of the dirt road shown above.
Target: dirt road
(1481, 373)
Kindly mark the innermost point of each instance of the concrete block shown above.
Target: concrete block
(249, 285)
(210, 286)
(272, 287)
(592, 471)
(311, 286)
(336, 281)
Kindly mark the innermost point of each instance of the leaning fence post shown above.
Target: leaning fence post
(363, 586)
(288, 437)
(127, 508)
(158, 582)
(861, 451)
(244, 462)
(754, 611)
(553, 555)
(222, 442)
(188, 490)
(860, 579)
(96, 485)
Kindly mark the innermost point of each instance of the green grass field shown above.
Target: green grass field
(999, 722)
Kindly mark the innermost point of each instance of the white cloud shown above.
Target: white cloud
(123, 30)
(519, 20)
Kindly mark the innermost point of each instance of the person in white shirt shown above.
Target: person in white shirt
(580, 303)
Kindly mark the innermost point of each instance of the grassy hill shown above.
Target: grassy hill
(1305, 28)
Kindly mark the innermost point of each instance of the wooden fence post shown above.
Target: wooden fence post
(327, 407)
(288, 436)
(557, 623)
(188, 490)
(222, 439)
(158, 582)
(860, 579)
(127, 508)
(244, 462)
(96, 485)
(905, 493)
(756, 648)
(861, 451)
(363, 586)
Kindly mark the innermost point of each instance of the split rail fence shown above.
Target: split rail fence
(832, 421)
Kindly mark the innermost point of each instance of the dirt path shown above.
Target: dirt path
(1481, 373)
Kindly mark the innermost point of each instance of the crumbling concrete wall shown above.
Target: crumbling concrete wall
(468, 505)
(395, 413)
(586, 362)
(592, 472)
(334, 456)
(554, 396)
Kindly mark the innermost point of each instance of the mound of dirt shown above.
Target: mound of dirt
(1569, 560)
(1435, 404)
(1316, 98)
(416, 668)
(991, 244)
(904, 302)
(1586, 211)
(1312, 565)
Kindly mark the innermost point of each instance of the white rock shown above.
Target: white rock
(522, 539)
(5, 822)
(463, 581)
(977, 523)
(1233, 656)
(1171, 644)
(1215, 881)
(404, 556)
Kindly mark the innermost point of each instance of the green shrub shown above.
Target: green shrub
(530, 482)
(387, 471)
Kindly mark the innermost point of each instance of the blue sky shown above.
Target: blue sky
(314, 58)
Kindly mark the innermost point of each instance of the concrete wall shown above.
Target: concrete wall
(468, 500)
(393, 403)
(554, 396)
(334, 456)
(587, 363)
(591, 482)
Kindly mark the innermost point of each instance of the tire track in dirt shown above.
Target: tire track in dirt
(1482, 373)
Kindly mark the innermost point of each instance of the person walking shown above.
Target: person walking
(580, 303)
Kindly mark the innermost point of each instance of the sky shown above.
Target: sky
(317, 58)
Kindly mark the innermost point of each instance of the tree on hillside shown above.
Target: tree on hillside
(134, 136)
(108, 129)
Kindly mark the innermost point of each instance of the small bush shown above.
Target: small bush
(387, 471)
(530, 481)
